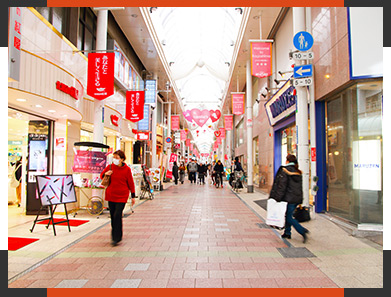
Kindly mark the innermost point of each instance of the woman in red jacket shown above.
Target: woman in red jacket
(117, 193)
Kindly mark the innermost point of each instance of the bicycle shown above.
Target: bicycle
(218, 180)
(239, 179)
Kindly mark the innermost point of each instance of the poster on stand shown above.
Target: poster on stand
(173, 158)
(55, 189)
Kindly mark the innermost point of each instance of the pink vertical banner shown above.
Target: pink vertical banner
(188, 142)
(222, 131)
(191, 146)
(173, 158)
(175, 122)
(183, 135)
(228, 122)
(237, 103)
(261, 59)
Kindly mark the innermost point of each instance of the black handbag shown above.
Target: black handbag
(302, 214)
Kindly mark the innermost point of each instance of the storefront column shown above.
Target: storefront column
(249, 125)
(154, 128)
(101, 41)
(302, 114)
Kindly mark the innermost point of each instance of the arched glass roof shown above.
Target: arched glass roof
(198, 43)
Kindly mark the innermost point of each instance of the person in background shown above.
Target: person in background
(18, 176)
(175, 172)
(192, 168)
(182, 170)
(219, 170)
(117, 193)
(236, 168)
(212, 172)
(287, 186)
(201, 173)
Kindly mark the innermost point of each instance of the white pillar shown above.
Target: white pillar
(154, 132)
(249, 126)
(101, 41)
(302, 114)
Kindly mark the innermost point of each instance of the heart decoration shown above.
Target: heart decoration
(200, 117)
(187, 115)
(214, 115)
(217, 133)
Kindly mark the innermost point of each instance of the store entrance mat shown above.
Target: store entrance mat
(72, 223)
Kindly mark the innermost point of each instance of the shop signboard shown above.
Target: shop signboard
(144, 124)
(14, 42)
(367, 167)
(281, 104)
(261, 59)
(89, 161)
(237, 103)
(55, 189)
(114, 120)
(150, 91)
(228, 122)
(175, 122)
(134, 106)
(100, 78)
(143, 136)
(173, 158)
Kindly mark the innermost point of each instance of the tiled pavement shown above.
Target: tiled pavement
(196, 236)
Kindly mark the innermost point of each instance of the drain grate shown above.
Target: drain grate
(296, 252)
(263, 226)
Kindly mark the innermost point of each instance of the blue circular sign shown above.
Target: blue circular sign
(303, 41)
(168, 139)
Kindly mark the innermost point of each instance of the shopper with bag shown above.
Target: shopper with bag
(288, 186)
(182, 170)
(117, 192)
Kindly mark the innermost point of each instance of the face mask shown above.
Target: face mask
(116, 161)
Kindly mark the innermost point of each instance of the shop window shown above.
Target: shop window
(354, 128)
(57, 16)
(87, 27)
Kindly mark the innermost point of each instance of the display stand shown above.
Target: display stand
(146, 190)
(51, 219)
(92, 162)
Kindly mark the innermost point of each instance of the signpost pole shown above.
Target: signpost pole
(302, 115)
(249, 126)
(154, 126)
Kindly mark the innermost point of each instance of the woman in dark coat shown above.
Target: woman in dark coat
(175, 172)
(288, 186)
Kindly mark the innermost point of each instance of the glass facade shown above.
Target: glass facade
(288, 142)
(355, 153)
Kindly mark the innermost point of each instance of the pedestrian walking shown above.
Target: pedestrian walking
(192, 168)
(175, 172)
(182, 169)
(117, 193)
(288, 186)
(202, 170)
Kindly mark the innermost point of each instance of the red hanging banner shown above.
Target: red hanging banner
(188, 142)
(261, 59)
(175, 122)
(100, 77)
(134, 106)
(183, 135)
(222, 131)
(228, 122)
(237, 103)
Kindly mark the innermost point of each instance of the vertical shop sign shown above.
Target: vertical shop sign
(261, 59)
(134, 106)
(188, 142)
(14, 42)
(144, 124)
(150, 91)
(237, 103)
(228, 122)
(173, 158)
(175, 122)
(100, 78)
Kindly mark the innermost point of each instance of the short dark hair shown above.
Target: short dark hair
(120, 154)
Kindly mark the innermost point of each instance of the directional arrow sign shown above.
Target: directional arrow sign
(302, 71)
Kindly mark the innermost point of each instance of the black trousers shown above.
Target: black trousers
(116, 209)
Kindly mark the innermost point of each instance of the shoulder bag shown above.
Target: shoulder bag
(106, 180)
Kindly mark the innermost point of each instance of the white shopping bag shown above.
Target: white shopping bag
(276, 213)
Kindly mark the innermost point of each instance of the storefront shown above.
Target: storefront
(354, 153)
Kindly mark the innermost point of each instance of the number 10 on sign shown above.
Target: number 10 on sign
(302, 82)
